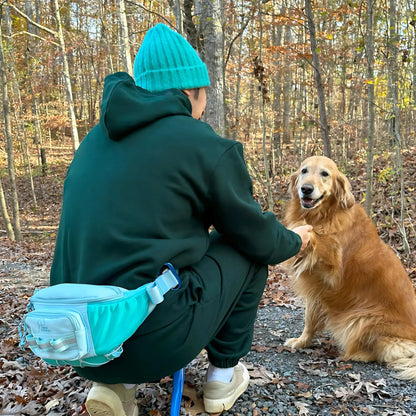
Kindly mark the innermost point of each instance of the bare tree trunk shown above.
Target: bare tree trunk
(189, 26)
(318, 81)
(104, 37)
(124, 37)
(32, 49)
(9, 144)
(270, 200)
(238, 75)
(19, 122)
(413, 23)
(248, 133)
(302, 103)
(38, 136)
(5, 214)
(175, 5)
(393, 76)
(370, 86)
(287, 87)
(276, 105)
(67, 78)
(212, 28)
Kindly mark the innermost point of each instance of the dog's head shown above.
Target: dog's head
(319, 181)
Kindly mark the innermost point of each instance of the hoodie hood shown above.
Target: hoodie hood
(126, 107)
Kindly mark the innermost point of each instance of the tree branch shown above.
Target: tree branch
(25, 16)
(151, 11)
(241, 31)
(24, 32)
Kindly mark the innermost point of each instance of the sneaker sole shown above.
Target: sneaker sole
(104, 402)
(218, 406)
(97, 408)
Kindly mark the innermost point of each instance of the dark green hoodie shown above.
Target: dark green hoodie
(144, 188)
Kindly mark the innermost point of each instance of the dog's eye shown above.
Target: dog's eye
(304, 170)
(324, 174)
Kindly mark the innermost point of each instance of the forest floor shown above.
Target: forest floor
(283, 381)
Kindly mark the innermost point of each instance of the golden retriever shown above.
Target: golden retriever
(353, 284)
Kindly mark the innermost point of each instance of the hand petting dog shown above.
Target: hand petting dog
(304, 233)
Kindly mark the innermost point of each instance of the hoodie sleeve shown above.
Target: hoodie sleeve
(240, 218)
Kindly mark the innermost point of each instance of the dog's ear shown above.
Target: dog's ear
(343, 193)
(293, 190)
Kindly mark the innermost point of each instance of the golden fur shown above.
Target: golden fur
(354, 285)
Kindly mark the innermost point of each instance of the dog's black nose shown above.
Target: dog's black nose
(307, 189)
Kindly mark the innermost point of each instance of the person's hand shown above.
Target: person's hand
(304, 232)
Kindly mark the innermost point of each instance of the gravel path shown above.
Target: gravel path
(314, 381)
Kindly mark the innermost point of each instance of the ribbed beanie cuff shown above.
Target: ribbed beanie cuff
(166, 60)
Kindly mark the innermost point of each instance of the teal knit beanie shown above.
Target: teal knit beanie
(166, 60)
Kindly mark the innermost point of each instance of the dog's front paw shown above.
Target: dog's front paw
(297, 342)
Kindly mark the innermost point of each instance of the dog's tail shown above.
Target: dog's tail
(400, 355)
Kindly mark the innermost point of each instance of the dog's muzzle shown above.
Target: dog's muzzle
(306, 196)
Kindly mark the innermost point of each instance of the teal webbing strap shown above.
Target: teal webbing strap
(166, 281)
(58, 345)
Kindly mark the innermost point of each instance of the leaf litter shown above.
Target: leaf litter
(283, 381)
(309, 382)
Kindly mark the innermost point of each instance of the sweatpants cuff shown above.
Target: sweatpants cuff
(224, 363)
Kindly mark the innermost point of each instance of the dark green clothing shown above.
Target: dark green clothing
(143, 189)
(214, 309)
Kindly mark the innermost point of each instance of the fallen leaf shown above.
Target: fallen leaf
(314, 368)
(259, 348)
(51, 404)
(303, 408)
(196, 405)
(305, 395)
(260, 376)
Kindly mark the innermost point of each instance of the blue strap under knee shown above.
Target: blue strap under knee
(178, 379)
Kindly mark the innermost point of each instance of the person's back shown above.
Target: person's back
(137, 197)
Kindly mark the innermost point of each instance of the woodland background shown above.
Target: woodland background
(290, 78)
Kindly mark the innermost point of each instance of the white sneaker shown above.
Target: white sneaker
(219, 396)
(111, 400)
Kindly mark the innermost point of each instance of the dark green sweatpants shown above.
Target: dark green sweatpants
(215, 309)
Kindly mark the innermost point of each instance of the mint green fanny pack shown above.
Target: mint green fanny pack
(86, 325)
